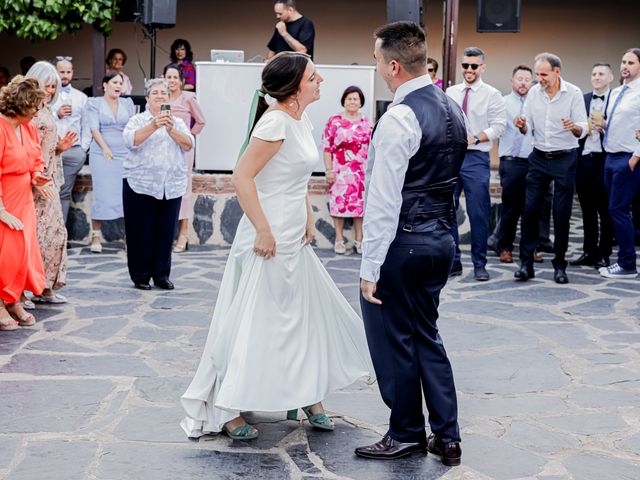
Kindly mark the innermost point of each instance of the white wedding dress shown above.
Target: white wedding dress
(282, 335)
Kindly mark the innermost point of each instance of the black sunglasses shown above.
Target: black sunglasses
(431, 69)
(474, 66)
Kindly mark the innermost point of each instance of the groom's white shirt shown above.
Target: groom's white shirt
(396, 139)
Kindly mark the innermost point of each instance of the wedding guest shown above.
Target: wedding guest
(182, 56)
(105, 118)
(116, 60)
(346, 141)
(52, 234)
(155, 178)
(21, 168)
(432, 69)
(184, 105)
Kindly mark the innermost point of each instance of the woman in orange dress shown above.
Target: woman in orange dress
(21, 167)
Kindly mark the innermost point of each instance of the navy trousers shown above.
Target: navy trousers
(407, 350)
(622, 185)
(474, 179)
(150, 227)
(594, 203)
(560, 170)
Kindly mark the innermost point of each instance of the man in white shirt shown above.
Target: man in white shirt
(592, 194)
(621, 170)
(554, 111)
(413, 167)
(67, 111)
(484, 107)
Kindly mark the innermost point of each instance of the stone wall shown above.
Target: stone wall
(216, 212)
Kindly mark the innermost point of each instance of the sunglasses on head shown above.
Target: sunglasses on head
(474, 66)
(60, 58)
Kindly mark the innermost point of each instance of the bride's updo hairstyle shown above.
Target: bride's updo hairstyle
(281, 78)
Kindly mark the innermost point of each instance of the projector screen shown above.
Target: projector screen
(225, 91)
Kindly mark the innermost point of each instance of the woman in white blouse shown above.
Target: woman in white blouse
(155, 178)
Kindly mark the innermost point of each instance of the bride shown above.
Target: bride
(282, 335)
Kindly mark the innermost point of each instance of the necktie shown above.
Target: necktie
(517, 141)
(613, 110)
(465, 100)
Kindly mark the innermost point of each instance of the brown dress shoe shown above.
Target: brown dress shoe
(389, 449)
(506, 257)
(449, 453)
(537, 257)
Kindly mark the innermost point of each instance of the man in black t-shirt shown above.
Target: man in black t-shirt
(293, 33)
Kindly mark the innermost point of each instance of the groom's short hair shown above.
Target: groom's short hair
(404, 42)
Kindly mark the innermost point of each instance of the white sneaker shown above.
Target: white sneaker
(357, 247)
(616, 271)
(96, 241)
(340, 247)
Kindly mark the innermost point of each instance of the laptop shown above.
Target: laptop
(227, 56)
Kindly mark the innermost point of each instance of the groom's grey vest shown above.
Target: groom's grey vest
(432, 175)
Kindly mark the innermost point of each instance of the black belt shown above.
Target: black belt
(620, 153)
(554, 154)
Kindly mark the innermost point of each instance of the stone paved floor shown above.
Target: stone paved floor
(548, 379)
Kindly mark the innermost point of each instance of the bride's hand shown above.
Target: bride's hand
(265, 244)
(309, 233)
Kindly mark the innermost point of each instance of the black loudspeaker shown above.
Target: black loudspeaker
(498, 16)
(159, 13)
(405, 10)
(129, 10)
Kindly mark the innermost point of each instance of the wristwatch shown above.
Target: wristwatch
(477, 140)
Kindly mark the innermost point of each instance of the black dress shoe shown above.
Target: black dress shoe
(449, 453)
(560, 276)
(456, 269)
(584, 260)
(523, 273)
(480, 274)
(603, 262)
(546, 247)
(388, 449)
(164, 284)
(142, 286)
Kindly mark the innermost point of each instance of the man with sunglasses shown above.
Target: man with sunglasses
(485, 110)
(556, 115)
(68, 114)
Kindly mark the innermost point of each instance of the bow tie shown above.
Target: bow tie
(601, 97)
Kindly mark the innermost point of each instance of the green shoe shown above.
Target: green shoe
(318, 420)
(243, 432)
(292, 415)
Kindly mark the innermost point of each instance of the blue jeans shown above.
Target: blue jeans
(622, 185)
(474, 179)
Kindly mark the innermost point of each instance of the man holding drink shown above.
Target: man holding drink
(592, 194)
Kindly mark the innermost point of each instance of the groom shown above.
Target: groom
(415, 156)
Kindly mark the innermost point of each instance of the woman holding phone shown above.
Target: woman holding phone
(155, 178)
(105, 118)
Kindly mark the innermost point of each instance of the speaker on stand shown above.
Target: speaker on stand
(498, 16)
(411, 10)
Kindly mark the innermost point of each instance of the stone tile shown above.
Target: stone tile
(54, 345)
(115, 309)
(618, 292)
(199, 338)
(476, 450)
(300, 456)
(539, 440)
(364, 406)
(611, 376)
(586, 424)
(593, 308)
(587, 466)
(55, 459)
(171, 301)
(102, 295)
(528, 371)
(607, 324)
(111, 365)
(606, 358)
(629, 338)
(511, 406)
(119, 347)
(480, 335)
(158, 462)
(101, 329)
(336, 451)
(11, 341)
(566, 335)
(51, 405)
(54, 325)
(548, 295)
(496, 309)
(8, 448)
(601, 398)
(152, 424)
(149, 334)
(170, 356)
(162, 389)
(631, 444)
(179, 319)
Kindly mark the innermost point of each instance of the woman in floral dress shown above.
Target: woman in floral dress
(346, 141)
(52, 234)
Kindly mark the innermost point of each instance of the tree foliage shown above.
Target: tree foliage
(46, 19)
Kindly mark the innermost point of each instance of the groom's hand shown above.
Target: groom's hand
(368, 289)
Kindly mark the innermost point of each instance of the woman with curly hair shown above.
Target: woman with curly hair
(182, 56)
(21, 168)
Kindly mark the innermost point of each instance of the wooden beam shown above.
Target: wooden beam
(99, 46)
(450, 47)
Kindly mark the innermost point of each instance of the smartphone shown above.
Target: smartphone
(165, 107)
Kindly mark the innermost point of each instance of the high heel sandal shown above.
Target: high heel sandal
(182, 244)
(243, 432)
(26, 320)
(318, 420)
